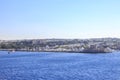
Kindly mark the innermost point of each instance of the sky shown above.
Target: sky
(74, 19)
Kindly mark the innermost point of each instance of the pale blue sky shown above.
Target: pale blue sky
(36, 19)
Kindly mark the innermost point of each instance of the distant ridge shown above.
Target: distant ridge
(92, 45)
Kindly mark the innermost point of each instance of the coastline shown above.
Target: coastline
(57, 51)
(101, 45)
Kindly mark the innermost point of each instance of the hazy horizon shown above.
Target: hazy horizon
(59, 38)
(59, 19)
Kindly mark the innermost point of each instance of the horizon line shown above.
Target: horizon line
(57, 38)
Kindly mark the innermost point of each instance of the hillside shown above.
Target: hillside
(96, 45)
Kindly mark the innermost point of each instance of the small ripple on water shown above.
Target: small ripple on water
(59, 66)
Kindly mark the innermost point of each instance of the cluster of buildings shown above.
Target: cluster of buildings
(98, 45)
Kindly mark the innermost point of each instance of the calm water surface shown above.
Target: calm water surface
(59, 66)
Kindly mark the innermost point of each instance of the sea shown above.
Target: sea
(59, 66)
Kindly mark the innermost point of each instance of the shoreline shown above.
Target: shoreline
(59, 51)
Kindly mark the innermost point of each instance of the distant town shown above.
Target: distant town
(95, 45)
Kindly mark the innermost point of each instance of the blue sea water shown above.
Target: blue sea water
(59, 66)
